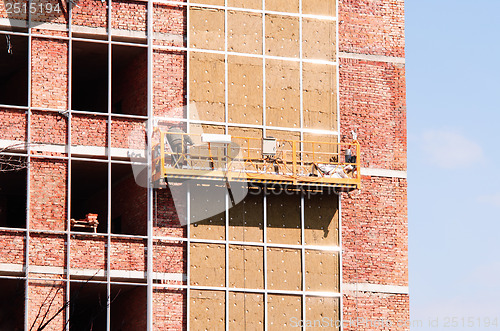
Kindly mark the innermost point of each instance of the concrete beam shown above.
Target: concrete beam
(377, 172)
(374, 58)
(376, 288)
(19, 270)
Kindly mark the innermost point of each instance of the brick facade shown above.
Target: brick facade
(46, 297)
(48, 194)
(49, 73)
(372, 102)
(374, 219)
(375, 233)
(376, 311)
(373, 27)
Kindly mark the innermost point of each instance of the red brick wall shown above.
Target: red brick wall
(375, 232)
(49, 73)
(46, 32)
(374, 219)
(89, 130)
(129, 15)
(13, 124)
(168, 83)
(166, 220)
(48, 128)
(128, 133)
(48, 186)
(169, 306)
(372, 102)
(169, 68)
(92, 130)
(169, 309)
(53, 16)
(12, 247)
(169, 257)
(3, 13)
(47, 250)
(88, 252)
(128, 254)
(48, 194)
(376, 311)
(372, 27)
(168, 100)
(46, 298)
(174, 27)
(90, 13)
(38, 16)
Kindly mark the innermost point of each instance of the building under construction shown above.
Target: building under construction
(203, 165)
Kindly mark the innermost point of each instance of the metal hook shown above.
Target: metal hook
(9, 44)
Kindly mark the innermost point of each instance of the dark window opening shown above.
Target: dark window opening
(90, 77)
(128, 202)
(89, 183)
(116, 225)
(88, 304)
(128, 307)
(13, 70)
(12, 307)
(129, 81)
(13, 198)
(118, 107)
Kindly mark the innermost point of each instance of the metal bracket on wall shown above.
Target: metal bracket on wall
(64, 112)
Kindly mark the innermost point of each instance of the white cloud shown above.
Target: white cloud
(493, 199)
(449, 149)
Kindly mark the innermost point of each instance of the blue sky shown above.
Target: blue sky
(453, 102)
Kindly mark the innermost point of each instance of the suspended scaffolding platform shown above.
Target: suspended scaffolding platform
(180, 156)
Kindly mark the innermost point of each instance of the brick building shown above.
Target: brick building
(83, 91)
